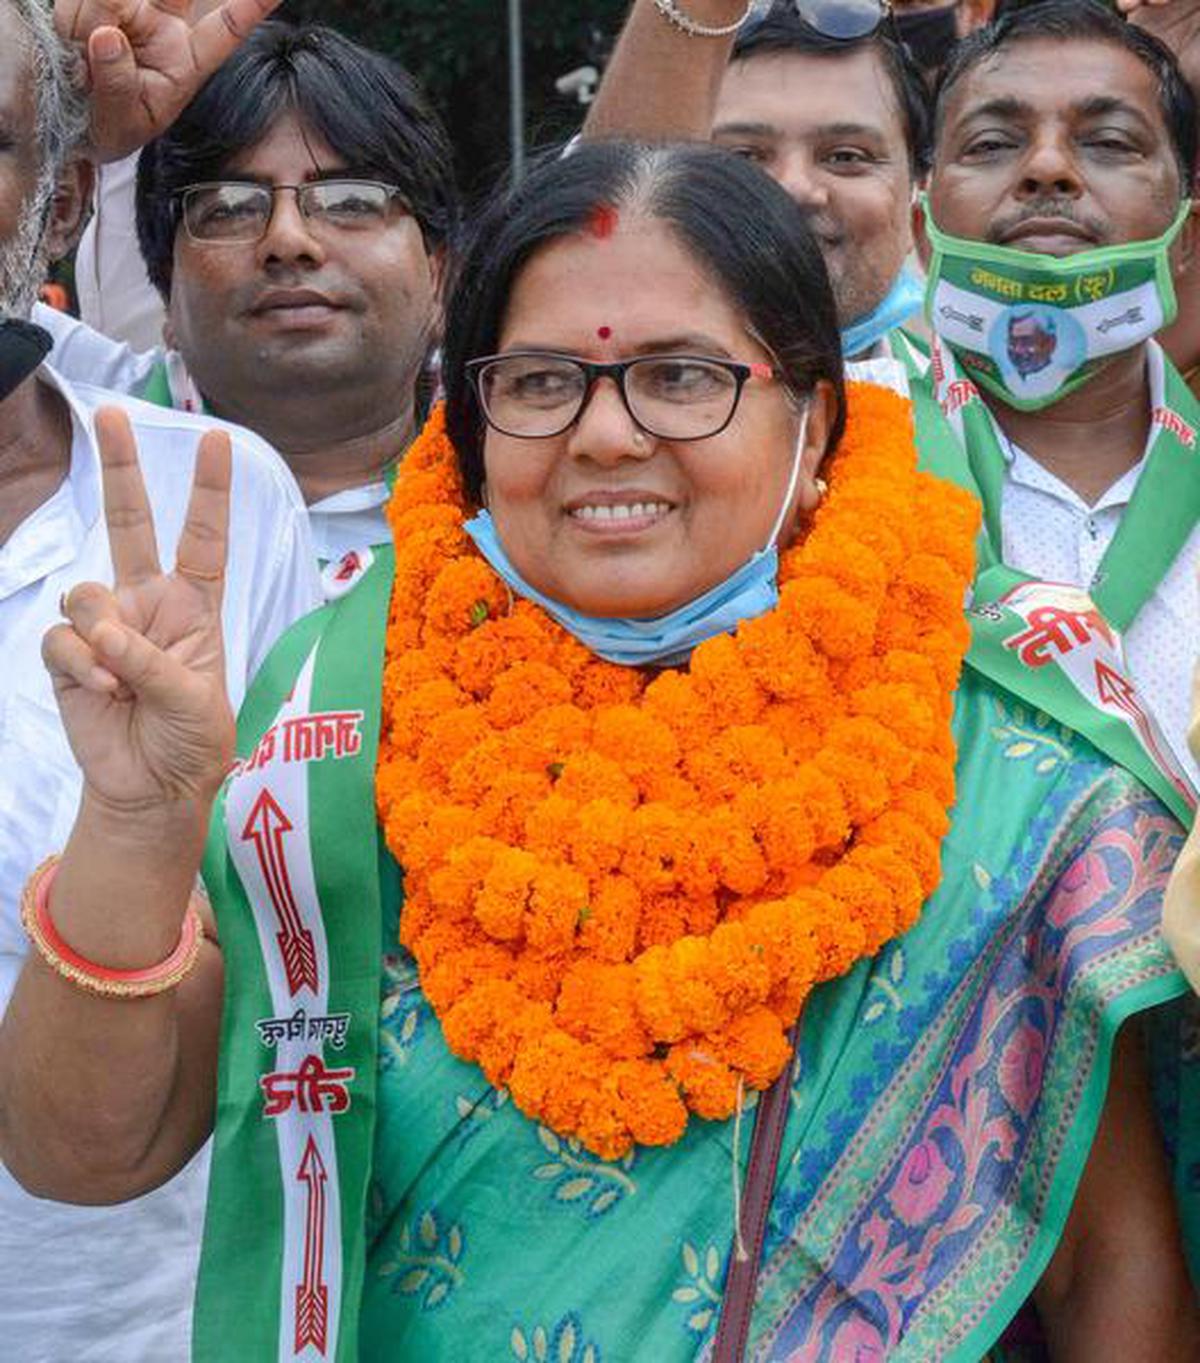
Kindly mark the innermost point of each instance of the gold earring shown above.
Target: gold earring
(822, 488)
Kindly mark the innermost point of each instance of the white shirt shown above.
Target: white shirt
(115, 293)
(114, 1284)
(1051, 533)
(350, 519)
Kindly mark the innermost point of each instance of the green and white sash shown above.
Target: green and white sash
(293, 868)
(170, 385)
(1055, 645)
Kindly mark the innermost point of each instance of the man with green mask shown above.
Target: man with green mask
(1056, 217)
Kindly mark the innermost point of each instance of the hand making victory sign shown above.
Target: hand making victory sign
(147, 58)
(139, 670)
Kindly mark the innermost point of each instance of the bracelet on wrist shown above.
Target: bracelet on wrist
(87, 975)
(671, 12)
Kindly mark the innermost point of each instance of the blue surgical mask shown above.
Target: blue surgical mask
(664, 640)
(901, 302)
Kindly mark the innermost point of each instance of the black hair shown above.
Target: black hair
(737, 222)
(782, 30)
(1070, 21)
(364, 105)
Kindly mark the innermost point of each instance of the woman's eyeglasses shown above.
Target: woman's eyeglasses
(238, 211)
(536, 394)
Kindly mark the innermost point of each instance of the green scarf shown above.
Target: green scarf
(1057, 646)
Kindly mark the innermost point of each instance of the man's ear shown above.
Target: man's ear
(1185, 253)
(70, 207)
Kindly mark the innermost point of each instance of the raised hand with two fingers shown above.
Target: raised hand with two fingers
(138, 669)
(146, 59)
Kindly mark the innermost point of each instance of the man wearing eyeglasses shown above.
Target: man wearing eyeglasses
(294, 219)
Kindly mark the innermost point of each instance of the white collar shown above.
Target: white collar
(1024, 469)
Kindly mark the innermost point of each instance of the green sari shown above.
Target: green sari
(942, 1110)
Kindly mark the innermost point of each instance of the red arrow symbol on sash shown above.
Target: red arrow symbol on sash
(1117, 690)
(312, 1295)
(265, 829)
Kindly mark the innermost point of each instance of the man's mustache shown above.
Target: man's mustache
(1063, 209)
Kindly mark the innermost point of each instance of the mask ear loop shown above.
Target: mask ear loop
(793, 481)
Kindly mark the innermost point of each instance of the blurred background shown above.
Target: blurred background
(460, 53)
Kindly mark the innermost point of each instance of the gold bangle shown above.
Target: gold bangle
(102, 980)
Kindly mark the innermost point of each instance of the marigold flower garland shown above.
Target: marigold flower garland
(620, 886)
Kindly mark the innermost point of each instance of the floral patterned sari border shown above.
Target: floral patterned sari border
(1083, 926)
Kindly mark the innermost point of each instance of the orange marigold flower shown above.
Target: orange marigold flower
(588, 775)
(554, 734)
(462, 597)
(864, 787)
(754, 1044)
(520, 691)
(709, 1085)
(550, 825)
(838, 623)
(673, 698)
(596, 1003)
(664, 918)
(412, 713)
(662, 850)
(450, 737)
(609, 929)
(504, 809)
(599, 841)
(650, 1103)
(557, 905)
(724, 682)
(639, 743)
(736, 858)
(504, 895)
(654, 994)
(782, 664)
(600, 683)
(455, 972)
(744, 754)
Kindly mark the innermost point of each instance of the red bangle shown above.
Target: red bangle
(102, 979)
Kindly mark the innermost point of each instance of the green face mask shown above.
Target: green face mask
(1032, 328)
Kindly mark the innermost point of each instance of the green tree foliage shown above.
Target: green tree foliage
(458, 50)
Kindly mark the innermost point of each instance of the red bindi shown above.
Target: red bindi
(604, 333)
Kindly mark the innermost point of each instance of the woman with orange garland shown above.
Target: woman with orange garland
(706, 1030)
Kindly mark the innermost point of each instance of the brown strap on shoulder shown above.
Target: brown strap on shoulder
(742, 1278)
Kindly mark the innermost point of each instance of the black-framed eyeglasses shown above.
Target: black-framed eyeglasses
(238, 211)
(534, 394)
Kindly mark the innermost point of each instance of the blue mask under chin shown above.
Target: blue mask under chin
(666, 639)
(902, 301)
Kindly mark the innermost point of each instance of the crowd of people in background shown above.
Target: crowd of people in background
(602, 775)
